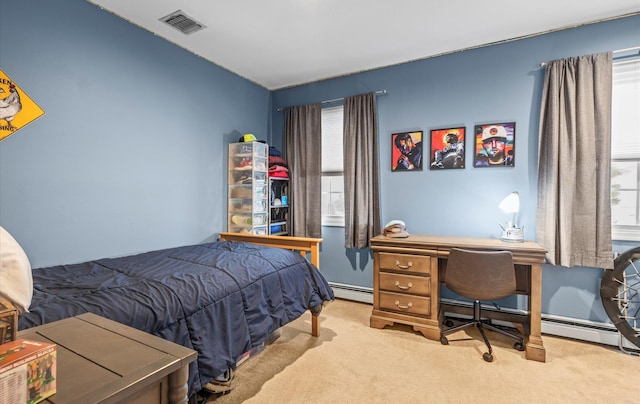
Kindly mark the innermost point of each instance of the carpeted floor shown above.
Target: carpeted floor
(353, 363)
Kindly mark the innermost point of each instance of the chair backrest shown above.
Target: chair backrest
(481, 275)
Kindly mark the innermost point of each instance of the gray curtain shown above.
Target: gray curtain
(361, 193)
(573, 217)
(303, 154)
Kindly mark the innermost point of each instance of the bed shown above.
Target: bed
(221, 299)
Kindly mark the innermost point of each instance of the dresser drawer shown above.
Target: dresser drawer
(415, 285)
(403, 303)
(405, 263)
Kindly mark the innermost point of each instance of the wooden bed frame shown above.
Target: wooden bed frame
(304, 245)
(307, 247)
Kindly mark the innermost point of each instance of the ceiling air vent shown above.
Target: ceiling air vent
(182, 22)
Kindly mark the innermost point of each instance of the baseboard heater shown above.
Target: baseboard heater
(352, 292)
(584, 330)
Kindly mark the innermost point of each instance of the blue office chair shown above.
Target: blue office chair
(481, 275)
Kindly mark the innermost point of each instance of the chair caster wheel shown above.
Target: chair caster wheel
(444, 341)
(519, 346)
(487, 357)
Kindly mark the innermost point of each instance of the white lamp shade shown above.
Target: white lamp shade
(510, 204)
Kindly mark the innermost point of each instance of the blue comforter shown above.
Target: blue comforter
(220, 299)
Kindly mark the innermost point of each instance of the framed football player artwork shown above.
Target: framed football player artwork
(447, 148)
(494, 145)
(406, 151)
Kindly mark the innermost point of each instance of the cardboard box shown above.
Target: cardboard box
(27, 371)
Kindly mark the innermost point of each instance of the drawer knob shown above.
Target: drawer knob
(409, 286)
(409, 265)
(408, 306)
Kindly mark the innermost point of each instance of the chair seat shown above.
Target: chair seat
(481, 275)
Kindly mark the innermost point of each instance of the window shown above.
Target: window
(625, 149)
(332, 167)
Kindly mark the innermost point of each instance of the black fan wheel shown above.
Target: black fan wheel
(621, 300)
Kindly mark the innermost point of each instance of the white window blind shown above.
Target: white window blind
(626, 109)
(625, 150)
(332, 167)
(332, 127)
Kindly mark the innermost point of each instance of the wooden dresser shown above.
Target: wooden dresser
(405, 287)
(406, 280)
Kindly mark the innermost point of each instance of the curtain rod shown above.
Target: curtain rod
(379, 92)
(543, 64)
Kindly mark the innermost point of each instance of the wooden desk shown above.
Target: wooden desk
(406, 282)
(100, 360)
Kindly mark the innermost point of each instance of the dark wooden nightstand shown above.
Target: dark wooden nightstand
(99, 361)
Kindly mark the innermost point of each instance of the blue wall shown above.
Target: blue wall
(500, 83)
(130, 155)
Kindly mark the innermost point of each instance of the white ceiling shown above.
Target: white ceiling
(282, 43)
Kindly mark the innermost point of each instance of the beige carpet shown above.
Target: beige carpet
(353, 363)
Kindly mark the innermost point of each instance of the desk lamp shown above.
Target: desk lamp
(512, 232)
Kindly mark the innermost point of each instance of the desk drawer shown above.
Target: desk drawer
(416, 285)
(405, 263)
(407, 304)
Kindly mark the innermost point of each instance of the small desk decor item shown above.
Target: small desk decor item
(406, 151)
(395, 229)
(511, 232)
(447, 148)
(8, 321)
(494, 145)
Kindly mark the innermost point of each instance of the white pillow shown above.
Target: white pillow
(16, 281)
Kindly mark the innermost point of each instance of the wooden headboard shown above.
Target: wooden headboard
(302, 244)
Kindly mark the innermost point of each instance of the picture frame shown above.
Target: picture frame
(495, 145)
(447, 148)
(406, 151)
